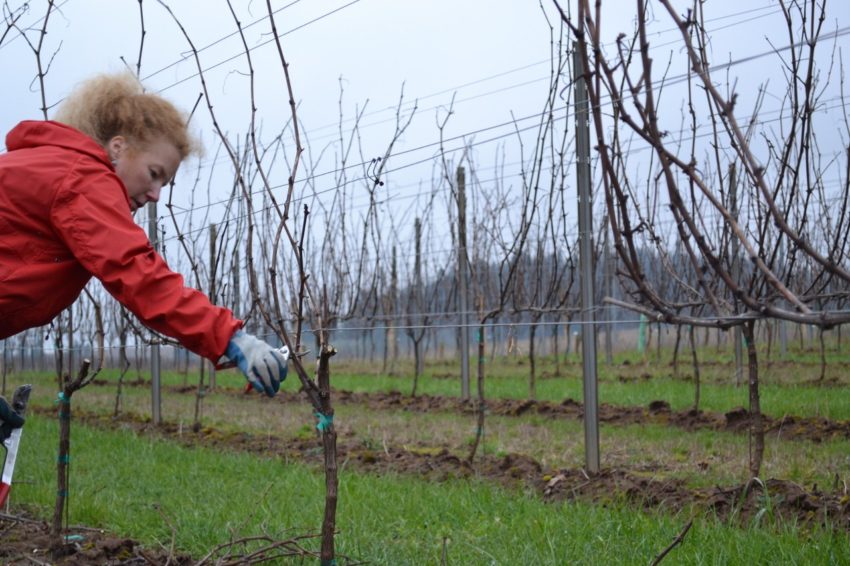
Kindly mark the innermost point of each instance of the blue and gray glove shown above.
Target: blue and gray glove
(264, 366)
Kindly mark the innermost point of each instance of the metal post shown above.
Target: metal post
(585, 227)
(156, 404)
(463, 283)
(609, 316)
(418, 306)
(391, 331)
(213, 274)
(783, 324)
(737, 333)
(236, 286)
(642, 326)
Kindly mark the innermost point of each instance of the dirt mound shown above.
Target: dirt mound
(781, 500)
(612, 485)
(28, 541)
(24, 540)
(788, 427)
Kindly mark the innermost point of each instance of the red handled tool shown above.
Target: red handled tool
(12, 419)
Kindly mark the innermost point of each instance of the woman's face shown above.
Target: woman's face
(144, 171)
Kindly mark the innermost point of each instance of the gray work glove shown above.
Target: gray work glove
(263, 366)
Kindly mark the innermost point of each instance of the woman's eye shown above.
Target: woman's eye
(154, 174)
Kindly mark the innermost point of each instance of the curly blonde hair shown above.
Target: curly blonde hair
(112, 105)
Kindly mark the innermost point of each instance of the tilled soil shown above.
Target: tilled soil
(788, 427)
(24, 540)
(27, 541)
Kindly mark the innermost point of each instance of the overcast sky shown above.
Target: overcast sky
(493, 56)
(371, 48)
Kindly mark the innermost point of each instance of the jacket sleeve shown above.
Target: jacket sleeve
(90, 214)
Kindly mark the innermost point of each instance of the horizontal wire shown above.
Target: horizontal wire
(451, 151)
(672, 81)
(475, 325)
(773, 11)
(219, 40)
(267, 42)
(394, 109)
(543, 61)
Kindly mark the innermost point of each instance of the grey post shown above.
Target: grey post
(783, 324)
(156, 415)
(737, 333)
(462, 283)
(608, 264)
(585, 228)
(213, 273)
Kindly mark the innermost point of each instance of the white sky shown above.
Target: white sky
(492, 54)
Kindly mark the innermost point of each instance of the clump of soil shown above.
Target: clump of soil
(785, 500)
(28, 541)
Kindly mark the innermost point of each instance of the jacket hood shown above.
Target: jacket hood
(40, 133)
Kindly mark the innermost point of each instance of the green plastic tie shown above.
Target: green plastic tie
(62, 399)
(331, 562)
(66, 459)
(325, 421)
(62, 493)
(74, 538)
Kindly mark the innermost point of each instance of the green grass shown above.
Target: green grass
(789, 388)
(140, 487)
(776, 400)
(701, 458)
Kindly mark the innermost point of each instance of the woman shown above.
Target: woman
(68, 189)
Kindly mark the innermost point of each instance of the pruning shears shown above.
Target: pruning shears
(11, 423)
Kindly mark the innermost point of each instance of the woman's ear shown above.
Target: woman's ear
(116, 146)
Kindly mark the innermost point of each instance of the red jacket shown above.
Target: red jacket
(65, 216)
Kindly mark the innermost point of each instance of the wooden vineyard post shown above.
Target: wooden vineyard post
(64, 458)
(326, 426)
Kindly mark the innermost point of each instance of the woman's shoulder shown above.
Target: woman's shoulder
(32, 134)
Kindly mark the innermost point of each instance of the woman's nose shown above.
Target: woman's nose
(153, 193)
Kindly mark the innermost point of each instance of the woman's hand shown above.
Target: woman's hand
(263, 366)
